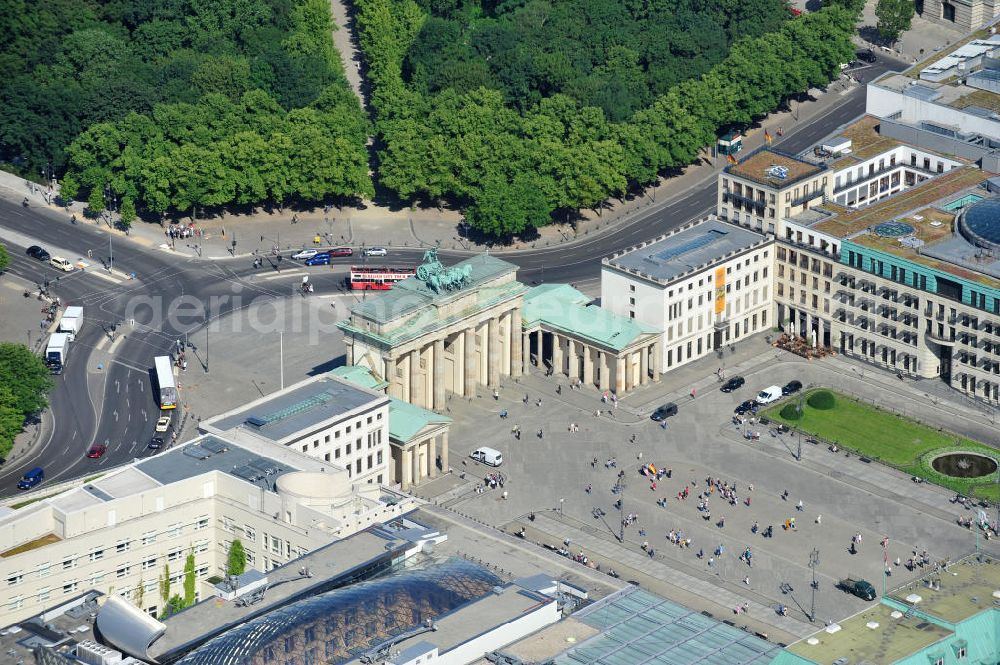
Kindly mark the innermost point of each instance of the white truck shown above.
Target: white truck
(71, 321)
(57, 350)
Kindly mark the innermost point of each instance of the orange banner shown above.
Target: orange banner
(720, 290)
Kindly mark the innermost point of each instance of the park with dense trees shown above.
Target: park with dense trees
(170, 105)
(515, 154)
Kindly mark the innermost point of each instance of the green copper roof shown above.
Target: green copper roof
(359, 376)
(413, 294)
(561, 307)
(407, 420)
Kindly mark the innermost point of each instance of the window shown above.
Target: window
(202, 523)
(69, 563)
(70, 587)
(43, 594)
(149, 563)
(175, 554)
(122, 572)
(96, 554)
(14, 579)
(149, 538)
(249, 533)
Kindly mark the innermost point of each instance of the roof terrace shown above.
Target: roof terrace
(956, 592)
(879, 634)
(757, 167)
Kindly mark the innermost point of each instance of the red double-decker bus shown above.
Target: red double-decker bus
(377, 278)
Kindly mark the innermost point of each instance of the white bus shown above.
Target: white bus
(165, 382)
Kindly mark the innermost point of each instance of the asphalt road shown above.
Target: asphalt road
(115, 404)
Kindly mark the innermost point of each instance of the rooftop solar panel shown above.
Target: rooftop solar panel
(696, 243)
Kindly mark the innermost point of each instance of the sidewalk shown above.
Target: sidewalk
(413, 227)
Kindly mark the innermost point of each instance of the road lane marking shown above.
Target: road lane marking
(98, 273)
(118, 340)
(294, 273)
(102, 343)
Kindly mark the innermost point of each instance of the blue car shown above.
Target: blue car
(31, 478)
(319, 260)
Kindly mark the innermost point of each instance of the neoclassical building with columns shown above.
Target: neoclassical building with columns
(445, 330)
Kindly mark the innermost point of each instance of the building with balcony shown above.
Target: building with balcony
(705, 285)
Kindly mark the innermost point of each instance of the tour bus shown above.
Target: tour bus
(165, 382)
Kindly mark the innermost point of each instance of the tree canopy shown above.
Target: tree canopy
(24, 385)
(114, 93)
(515, 158)
(894, 18)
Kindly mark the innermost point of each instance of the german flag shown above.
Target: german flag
(732, 159)
(767, 137)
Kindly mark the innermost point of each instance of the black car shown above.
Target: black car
(664, 412)
(867, 55)
(791, 387)
(37, 252)
(155, 443)
(732, 384)
(746, 407)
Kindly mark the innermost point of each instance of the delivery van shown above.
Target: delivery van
(768, 395)
(487, 456)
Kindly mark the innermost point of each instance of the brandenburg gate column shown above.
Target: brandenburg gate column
(588, 365)
(657, 359)
(516, 343)
(438, 375)
(619, 375)
(390, 376)
(444, 452)
(416, 388)
(644, 365)
(526, 352)
(605, 378)
(469, 365)
(432, 465)
(493, 352)
(557, 354)
(574, 363)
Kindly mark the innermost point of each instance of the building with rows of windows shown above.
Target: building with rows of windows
(895, 259)
(125, 532)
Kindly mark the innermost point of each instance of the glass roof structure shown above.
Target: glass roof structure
(639, 628)
(981, 224)
(339, 625)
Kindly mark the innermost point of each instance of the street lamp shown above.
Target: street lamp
(813, 562)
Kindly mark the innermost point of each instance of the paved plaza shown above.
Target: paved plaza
(548, 475)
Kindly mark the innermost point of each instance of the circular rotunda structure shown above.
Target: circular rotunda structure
(980, 224)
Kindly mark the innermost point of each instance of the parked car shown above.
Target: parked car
(376, 251)
(341, 251)
(163, 423)
(866, 55)
(97, 451)
(156, 443)
(37, 252)
(61, 263)
(733, 384)
(664, 412)
(861, 588)
(746, 407)
(31, 478)
(321, 259)
(791, 387)
(305, 253)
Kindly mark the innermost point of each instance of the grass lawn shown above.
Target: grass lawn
(899, 442)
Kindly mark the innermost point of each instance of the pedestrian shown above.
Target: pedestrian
(819, 519)
(746, 580)
(693, 392)
(800, 506)
(496, 395)
(711, 561)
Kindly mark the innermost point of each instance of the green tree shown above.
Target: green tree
(11, 420)
(4, 258)
(237, 563)
(26, 376)
(127, 213)
(894, 18)
(855, 7)
(165, 584)
(189, 580)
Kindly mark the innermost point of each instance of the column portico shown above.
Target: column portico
(416, 463)
(493, 352)
(644, 365)
(657, 359)
(416, 387)
(574, 364)
(516, 340)
(605, 378)
(526, 352)
(406, 469)
(432, 467)
(619, 375)
(444, 452)
(470, 363)
(438, 374)
(588, 365)
(557, 353)
(390, 377)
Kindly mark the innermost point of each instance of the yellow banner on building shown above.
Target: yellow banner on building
(720, 290)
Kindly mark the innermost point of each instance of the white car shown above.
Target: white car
(305, 254)
(163, 424)
(61, 263)
(376, 251)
